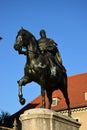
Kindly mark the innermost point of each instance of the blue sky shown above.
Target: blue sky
(65, 21)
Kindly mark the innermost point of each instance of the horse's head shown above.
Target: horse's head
(22, 39)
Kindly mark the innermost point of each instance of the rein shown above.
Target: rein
(33, 52)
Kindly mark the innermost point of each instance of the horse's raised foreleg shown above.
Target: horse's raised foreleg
(22, 82)
(21, 99)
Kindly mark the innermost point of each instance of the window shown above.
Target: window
(55, 101)
(86, 96)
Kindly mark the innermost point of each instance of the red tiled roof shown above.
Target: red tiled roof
(77, 86)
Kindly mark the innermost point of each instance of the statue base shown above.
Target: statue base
(45, 119)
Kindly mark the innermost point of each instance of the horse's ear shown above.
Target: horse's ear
(22, 28)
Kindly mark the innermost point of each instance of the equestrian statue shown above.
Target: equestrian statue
(43, 66)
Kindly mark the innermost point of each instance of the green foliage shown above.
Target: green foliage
(4, 119)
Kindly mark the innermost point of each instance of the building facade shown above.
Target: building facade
(77, 91)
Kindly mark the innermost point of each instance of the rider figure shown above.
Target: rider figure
(48, 45)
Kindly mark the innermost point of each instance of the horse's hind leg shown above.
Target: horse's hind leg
(68, 104)
(65, 93)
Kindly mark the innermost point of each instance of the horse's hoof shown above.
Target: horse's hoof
(69, 114)
(43, 106)
(22, 101)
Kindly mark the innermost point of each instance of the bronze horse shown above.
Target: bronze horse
(37, 69)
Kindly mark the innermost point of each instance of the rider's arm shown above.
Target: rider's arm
(52, 47)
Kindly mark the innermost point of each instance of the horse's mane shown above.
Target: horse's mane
(23, 31)
(29, 35)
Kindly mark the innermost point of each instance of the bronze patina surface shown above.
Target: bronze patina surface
(43, 66)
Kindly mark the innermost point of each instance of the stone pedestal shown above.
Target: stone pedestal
(45, 119)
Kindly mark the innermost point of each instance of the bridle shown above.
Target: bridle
(21, 41)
